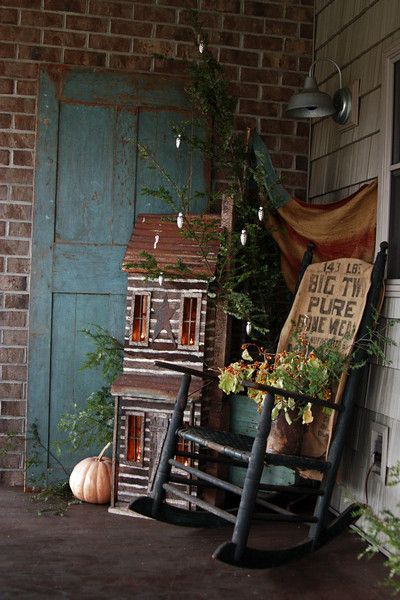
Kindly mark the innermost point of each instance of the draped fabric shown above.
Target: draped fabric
(345, 228)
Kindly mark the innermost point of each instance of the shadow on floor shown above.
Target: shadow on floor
(91, 554)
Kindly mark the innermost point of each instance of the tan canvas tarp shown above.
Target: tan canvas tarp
(331, 300)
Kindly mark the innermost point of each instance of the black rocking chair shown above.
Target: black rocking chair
(244, 451)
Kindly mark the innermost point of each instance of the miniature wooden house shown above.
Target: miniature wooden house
(168, 317)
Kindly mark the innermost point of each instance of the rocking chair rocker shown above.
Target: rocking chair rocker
(241, 450)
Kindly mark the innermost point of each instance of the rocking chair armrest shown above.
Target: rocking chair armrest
(302, 398)
(186, 370)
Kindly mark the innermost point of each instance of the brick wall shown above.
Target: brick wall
(266, 47)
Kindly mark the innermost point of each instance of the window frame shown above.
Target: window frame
(142, 415)
(390, 58)
(199, 297)
(145, 342)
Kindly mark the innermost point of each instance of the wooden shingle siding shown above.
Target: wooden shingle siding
(356, 35)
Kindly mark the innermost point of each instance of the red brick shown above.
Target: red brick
(280, 28)
(150, 47)
(18, 265)
(19, 212)
(172, 32)
(224, 38)
(40, 53)
(16, 175)
(302, 129)
(18, 69)
(5, 120)
(243, 122)
(244, 90)
(11, 461)
(25, 122)
(13, 283)
(19, 229)
(13, 408)
(232, 6)
(186, 51)
(264, 9)
(155, 14)
(14, 318)
(295, 145)
(249, 24)
(130, 63)
(269, 126)
(304, 63)
(12, 478)
(178, 3)
(283, 62)
(19, 34)
(23, 158)
(262, 42)
(3, 192)
(265, 109)
(18, 301)
(231, 72)
(12, 391)
(294, 178)
(301, 163)
(27, 88)
(27, 3)
(298, 47)
(122, 10)
(277, 93)
(15, 104)
(79, 57)
(78, 6)
(14, 247)
(87, 23)
(259, 76)
(131, 28)
(307, 30)
(4, 157)
(207, 20)
(8, 50)
(41, 19)
(13, 356)
(239, 57)
(12, 425)
(2, 228)
(105, 42)
(8, 16)
(170, 66)
(21, 193)
(281, 161)
(293, 79)
(64, 38)
(299, 13)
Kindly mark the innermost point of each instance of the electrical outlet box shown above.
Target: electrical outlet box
(379, 450)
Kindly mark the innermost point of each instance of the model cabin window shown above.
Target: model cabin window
(183, 446)
(140, 318)
(190, 321)
(135, 438)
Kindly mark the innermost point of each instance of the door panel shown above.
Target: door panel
(88, 190)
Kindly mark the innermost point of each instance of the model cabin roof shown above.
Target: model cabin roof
(160, 237)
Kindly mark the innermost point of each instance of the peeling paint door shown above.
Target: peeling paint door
(88, 190)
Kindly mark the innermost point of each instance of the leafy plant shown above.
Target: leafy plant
(383, 529)
(93, 424)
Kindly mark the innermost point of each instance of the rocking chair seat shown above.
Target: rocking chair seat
(239, 447)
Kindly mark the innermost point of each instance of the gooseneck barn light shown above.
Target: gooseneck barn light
(313, 103)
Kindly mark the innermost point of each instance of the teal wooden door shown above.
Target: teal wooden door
(88, 189)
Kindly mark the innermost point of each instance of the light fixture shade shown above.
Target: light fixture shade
(310, 102)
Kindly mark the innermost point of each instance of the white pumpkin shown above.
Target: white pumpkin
(90, 479)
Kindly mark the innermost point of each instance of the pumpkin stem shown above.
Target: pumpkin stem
(106, 447)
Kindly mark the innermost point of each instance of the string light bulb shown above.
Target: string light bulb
(179, 220)
(202, 46)
(248, 327)
(161, 279)
(243, 237)
(261, 213)
(178, 140)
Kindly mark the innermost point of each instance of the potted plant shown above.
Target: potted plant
(300, 369)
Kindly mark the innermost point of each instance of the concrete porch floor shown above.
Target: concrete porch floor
(92, 554)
